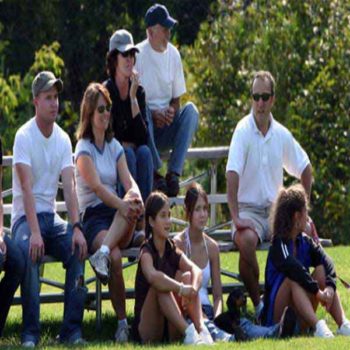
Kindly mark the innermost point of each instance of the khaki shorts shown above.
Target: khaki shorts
(260, 218)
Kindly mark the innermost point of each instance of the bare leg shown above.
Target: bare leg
(336, 310)
(151, 324)
(246, 241)
(116, 284)
(291, 293)
(156, 306)
(119, 233)
(96, 244)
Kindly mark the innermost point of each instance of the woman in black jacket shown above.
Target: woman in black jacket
(288, 281)
(129, 114)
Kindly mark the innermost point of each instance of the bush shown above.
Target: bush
(306, 47)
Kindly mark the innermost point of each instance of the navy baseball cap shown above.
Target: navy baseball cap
(158, 14)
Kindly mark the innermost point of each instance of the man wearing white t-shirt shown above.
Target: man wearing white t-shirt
(260, 149)
(160, 68)
(42, 153)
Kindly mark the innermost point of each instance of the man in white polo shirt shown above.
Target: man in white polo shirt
(260, 149)
(160, 68)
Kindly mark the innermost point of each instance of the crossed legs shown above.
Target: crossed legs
(292, 294)
(159, 306)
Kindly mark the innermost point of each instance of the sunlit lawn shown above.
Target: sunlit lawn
(51, 314)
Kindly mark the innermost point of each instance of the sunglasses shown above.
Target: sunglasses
(264, 97)
(130, 53)
(101, 109)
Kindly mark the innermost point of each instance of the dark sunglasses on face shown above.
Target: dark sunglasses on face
(101, 109)
(264, 97)
(130, 53)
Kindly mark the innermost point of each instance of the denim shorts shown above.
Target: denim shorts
(96, 219)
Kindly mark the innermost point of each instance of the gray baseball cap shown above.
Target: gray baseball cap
(44, 81)
(122, 41)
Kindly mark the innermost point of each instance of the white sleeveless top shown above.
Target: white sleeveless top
(206, 273)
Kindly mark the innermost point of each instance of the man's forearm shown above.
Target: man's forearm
(232, 190)
(30, 211)
(71, 200)
(306, 179)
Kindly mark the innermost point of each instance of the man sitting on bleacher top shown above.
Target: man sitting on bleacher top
(260, 149)
(42, 153)
(161, 73)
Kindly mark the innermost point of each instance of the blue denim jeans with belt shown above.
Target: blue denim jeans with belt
(13, 266)
(57, 237)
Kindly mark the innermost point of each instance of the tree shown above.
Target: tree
(306, 47)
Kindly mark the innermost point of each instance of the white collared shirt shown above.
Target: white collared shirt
(259, 160)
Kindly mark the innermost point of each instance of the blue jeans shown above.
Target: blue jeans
(254, 331)
(177, 136)
(140, 165)
(14, 267)
(57, 237)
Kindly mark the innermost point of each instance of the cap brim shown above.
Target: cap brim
(169, 22)
(127, 47)
(54, 82)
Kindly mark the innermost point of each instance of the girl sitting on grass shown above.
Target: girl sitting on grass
(166, 284)
(204, 252)
(288, 281)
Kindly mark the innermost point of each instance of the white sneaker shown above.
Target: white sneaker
(344, 329)
(192, 337)
(28, 344)
(322, 330)
(100, 263)
(206, 336)
(122, 334)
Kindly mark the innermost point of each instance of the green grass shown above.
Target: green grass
(51, 314)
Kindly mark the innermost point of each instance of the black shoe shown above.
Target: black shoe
(159, 183)
(172, 181)
(287, 323)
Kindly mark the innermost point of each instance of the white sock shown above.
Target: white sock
(105, 249)
(122, 323)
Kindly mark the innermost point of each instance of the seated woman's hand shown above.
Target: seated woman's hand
(329, 296)
(325, 297)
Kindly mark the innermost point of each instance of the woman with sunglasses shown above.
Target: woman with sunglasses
(129, 112)
(108, 220)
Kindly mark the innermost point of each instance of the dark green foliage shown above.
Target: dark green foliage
(306, 47)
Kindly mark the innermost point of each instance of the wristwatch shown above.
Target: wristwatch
(77, 225)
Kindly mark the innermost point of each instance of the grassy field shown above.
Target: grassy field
(51, 314)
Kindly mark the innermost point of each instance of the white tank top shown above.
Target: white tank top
(206, 273)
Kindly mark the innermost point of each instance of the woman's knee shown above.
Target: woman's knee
(319, 274)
